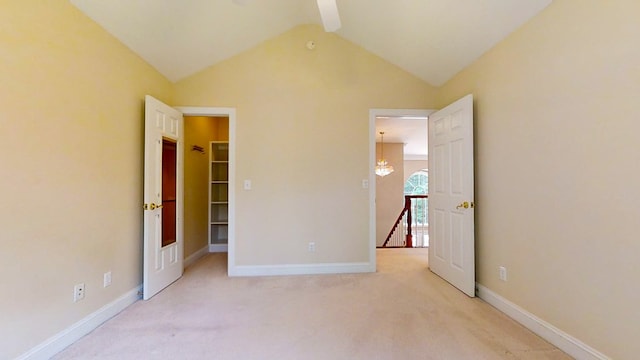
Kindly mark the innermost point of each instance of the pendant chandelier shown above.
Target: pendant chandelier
(382, 166)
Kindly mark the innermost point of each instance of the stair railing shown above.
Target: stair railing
(397, 238)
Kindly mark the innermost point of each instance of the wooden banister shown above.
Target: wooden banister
(407, 210)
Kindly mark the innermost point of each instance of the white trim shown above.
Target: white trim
(231, 113)
(399, 113)
(195, 256)
(216, 248)
(555, 336)
(411, 157)
(372, 186)
(206, 111)
(302, 269)
(63, 339)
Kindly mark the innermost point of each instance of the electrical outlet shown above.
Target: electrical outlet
(312, 247)
(502, 273)
(106, 280)
(78, 292)
(365, 184)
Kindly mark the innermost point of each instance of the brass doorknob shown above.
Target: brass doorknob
(466, 205)
(151, 206)
(462, 205)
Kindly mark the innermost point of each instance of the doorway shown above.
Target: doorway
(387, 193)
(451, 203)
(202, 127)
(201, 175)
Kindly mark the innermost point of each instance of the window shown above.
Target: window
(417, 183)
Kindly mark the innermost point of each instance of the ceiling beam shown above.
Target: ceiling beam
(329, 14)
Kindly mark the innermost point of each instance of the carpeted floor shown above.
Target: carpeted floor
(401, 312)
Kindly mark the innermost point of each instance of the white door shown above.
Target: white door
(163, 190)
(451, 202)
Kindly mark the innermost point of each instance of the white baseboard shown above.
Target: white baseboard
(191, 259)
(555, 336)
(302, 269)
(63, 339)
(218, 248)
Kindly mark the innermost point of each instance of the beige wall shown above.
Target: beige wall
(389, 190)
(557, 169)
(199, 130)
(303, 140)
(411, 166)
(71, 119)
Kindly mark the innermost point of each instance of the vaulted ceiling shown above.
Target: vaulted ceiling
(432, 39)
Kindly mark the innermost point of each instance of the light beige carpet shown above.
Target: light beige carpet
(401, 312)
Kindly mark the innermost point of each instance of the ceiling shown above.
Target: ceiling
(431, 39)
(411, 131)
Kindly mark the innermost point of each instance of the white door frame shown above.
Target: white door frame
(231, 114)
(373, 113)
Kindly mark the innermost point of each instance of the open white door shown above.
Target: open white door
(451, 201)
(163, 196)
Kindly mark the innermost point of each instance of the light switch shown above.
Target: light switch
(365, 184)
(247, 184)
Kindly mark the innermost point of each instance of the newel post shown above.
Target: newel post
(407, 206)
